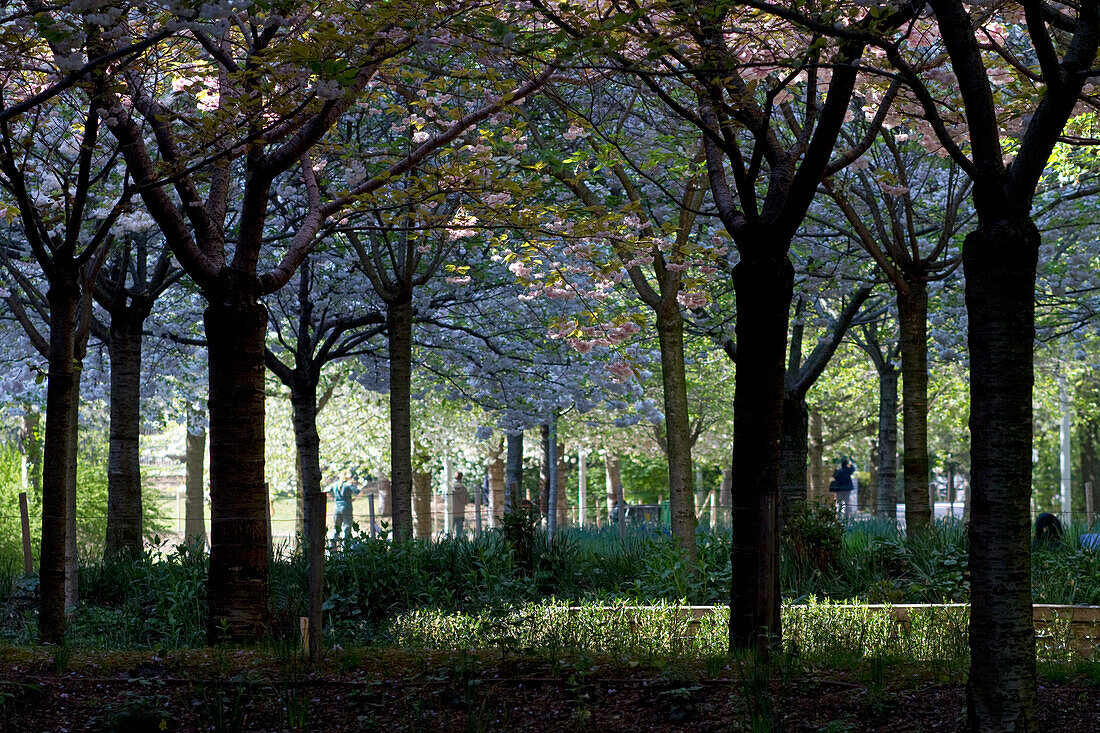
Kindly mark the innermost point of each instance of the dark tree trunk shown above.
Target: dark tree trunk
(237, 592)
(794, 454)
(124, 537)
(999, 261)
(303, 398)
(62, 399)
(670, 331)
(399, 320)
(72, 554)
(544, 471)
(886, 500)
(194, 512)
(913, 318)
(763, 286)
(514, 469)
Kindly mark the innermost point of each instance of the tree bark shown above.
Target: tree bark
(562, 480)
(794, 454)
(886, 500)
(816, 486)
(913, 319)
(124, 535)
(496, 489)
(194, 519)
(614, 481)
(763, 284)
(399, 320)
(544, 471)
(999, 260)
(670, 331)
(239, 548)
(62, 399)
(514, 469)
(303, 399)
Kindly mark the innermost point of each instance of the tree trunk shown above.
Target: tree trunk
(194, 522)
(670, 331)
(237, 594)
(124, 537)
(725, 498)
(544, 471)
(913, 319)
(869, 495)
(764, 287)
(62, 399)
(816, 486)
(794, 455)
(562, 480)
(72, 553)
(399, 318)
(31, 440)
(999, 261)
(496, 489)
(422, 503)
(514, 469)
(614, 481)
(303, 399)
(299, 498)
(886, 500)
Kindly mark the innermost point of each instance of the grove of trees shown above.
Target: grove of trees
(661, 228)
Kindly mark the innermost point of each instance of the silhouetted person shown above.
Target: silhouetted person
(1048, 529)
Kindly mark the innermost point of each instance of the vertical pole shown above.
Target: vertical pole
(1090, 507)
(582, 487)
(478, 496)
(448, 495)
(1064, 435)
(370, 503)
(552, 478)
(713, 510)
(25, 521)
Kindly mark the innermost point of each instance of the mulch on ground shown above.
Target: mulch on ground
(241, 690)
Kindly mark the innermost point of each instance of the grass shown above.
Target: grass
(467, 592)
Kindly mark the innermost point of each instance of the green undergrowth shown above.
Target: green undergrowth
(378, 593)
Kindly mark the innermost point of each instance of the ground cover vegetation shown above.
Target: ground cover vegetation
(684, 258)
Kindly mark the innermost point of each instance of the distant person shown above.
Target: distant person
(459, 498)
(343, 491)
(1048, 529)
(842, 487)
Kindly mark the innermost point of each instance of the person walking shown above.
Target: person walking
(842, 487)
(343, 491)
(459, 499)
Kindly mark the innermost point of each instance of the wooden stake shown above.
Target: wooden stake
(370, 502)
(25, 520)
(303, 626)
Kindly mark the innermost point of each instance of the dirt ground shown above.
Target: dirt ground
(229, 690)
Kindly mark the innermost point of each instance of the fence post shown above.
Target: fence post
(25, 521)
